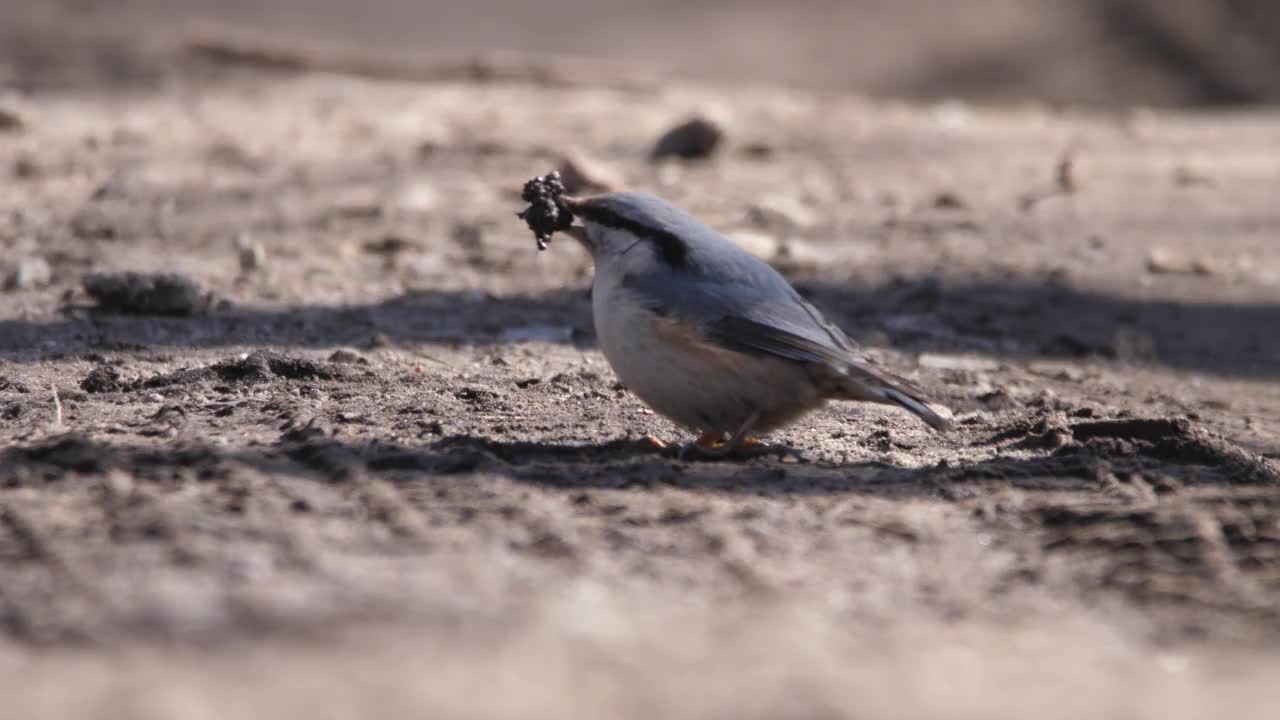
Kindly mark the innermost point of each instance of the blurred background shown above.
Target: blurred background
(1102, 53)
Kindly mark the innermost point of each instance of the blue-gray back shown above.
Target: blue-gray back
(740, 300)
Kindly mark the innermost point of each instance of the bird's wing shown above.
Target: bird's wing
(753, 336)
(748, 317)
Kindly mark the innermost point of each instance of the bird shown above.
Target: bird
(712, 337)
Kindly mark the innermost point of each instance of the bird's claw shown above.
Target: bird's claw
(746, 450)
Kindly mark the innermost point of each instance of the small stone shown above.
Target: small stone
(1186, 177)
(1161, 261)
(758, 150)
(418, 197)
(953, 115)
(25, 168)
(30, 273)
(348, 356)
(1203, 266)
(426, 266)
(948, 200)
(695, 139)
(119, 485)
(250, 252)
(102, 379)
(390, 244)
(1066, 175)
(11, 120)
(581, 173)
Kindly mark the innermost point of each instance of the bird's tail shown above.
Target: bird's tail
(938, 417)
(863, 383)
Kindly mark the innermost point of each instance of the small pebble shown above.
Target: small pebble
(947, 200)
(953, 115)
(11, 120)
(418, 197)
(251, 253)
(1161, 261)
(25, 168)
(119, 484)
(1186, 177)
(694, 139)
(425, 266)
(348, 356)
(1066, 172)
(758, 150)
(102, 379)
(390, 244)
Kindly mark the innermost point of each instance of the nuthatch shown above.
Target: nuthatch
(709, 335)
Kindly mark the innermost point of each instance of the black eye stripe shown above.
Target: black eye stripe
(671, 249)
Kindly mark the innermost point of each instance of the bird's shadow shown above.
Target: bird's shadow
(1157, 447)
(1010, 319)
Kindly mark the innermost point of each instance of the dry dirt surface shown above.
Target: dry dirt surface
(373, 465)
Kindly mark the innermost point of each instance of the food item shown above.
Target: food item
(547, 212)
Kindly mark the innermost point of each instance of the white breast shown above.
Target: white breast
(671, 365)
(681, 375)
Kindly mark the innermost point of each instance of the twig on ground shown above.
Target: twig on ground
(57, 409)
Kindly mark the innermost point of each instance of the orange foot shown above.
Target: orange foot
(710, 440)
(715, 440)
(714, 445)
(653, 442)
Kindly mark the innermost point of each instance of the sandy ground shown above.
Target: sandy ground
(384, 471)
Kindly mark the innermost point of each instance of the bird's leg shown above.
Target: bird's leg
(723, 449)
